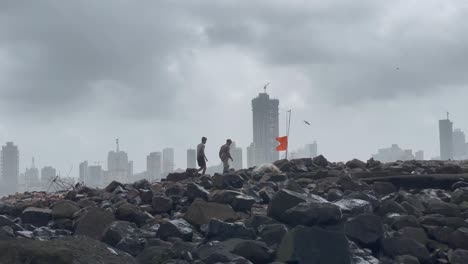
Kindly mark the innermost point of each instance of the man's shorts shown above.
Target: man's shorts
(201, 162)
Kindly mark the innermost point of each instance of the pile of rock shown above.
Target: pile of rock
(299, 211)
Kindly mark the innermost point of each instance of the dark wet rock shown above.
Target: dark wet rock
(175, 228)
(396, 246)
(61, 251)
(398, 222)
(64, 209)
(384, 188)
(6, 233)
(177, 176)
(272, 234)
(256, 221)
(458, 256)
(216, 252)
(242, 202)
(314, 245)
(440, 234)
(219, 230)
(442, 208)
(124, 236)
(406, 259)
(312, 213)
(255, 251)
(266, 193)
(162, 204)
(273, 177)
(175, 189)
(460, 195)
(320, 161)
(196, 191)
(354, 206)
(113, 185)
(410, 209)
(416, 233)
(94, 223)
(391, 207)
(201, 212)
(459, 238)
(365, 229)
(334, 195)
(36, 216)
(350, 184)
(155, 255)
(449, 169)
(6, 221)
(282, 201)
(374, 201)
(355, 163)
(439, 220)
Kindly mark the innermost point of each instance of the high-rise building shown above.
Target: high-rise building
(393, 153)
(130, 169)
(419, 155)
(191, 158)
(251, 156)
(9, 168)
(117, 166)
(83, 177)
(168, 161)
(459, 143)
(265, 128)
(446, 139)
(236, 154)
(95, 176)
(31, 178)
(153, 166)
(311, 150)
(48, 175)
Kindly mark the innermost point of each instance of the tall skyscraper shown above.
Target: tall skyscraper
(168, 161)
(191, 158)
(9, 168)
(459, 143)
(130, 169)
(48, 174)
(236, 154)
(83, 172)
(419, 155)
(95, 176)
(311, 150)
(117, 166)
(265, 128)
(153, 166)
(251, 156)
(31, 178)
(446, 139)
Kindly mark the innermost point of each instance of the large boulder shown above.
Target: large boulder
(314, 245)
(5, 221)
(219, 230)
(64, 209)
(460, 195)
(459, 238)
(255, 251)
(223, 181)
(282, 201)
(201, 212)
(442, 208)
(320, 161)
(175, 228)
(355, 163)
(124, 236)
(397, 246)
(196, 191)
(312, 213)
(162, 204)
(458, 256)
(242, 202)
(36, 216)
(272, 234)
(354, 206)
(216, 252)
(61, 251)
(155, 255)
(177, 176)
(365, 229)
(94, 223)
(384, 188)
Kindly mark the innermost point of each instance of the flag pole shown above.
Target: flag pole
(287, 132)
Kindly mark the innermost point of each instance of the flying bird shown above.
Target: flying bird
(307, 123)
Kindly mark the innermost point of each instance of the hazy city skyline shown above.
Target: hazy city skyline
(74, 76)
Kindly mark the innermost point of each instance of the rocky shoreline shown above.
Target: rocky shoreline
(301, 211)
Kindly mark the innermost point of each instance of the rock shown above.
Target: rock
(401, 221)
(406, 259)
(374, 201)
(36, 216)
(312, 213)
(242, 203)
(384, 188)
(64, 209)
(314, 245)
(442, 208)
(196, 191)
(256, 221)
(349, 184)
(396, 246)
(459, 238)
(320, 161)
(217, 252)
(124, 236)
(94, 223)
(255, 251)
(175, 228)
(5, 221)
(458, 256)
(155, 255)
(227, 180)
(112, 186)
(355, 163)
(282, 201)
(334, 195)
(61, 251)
(146, 196)
(127, 212)
(266, 193)
(219, 230)
(201, 212)
(177, 176)
(415, 233)
(6, 233)
(440, 234)
(272, 234)
(365, 229)
(162, 204)
(391, 207)
(354, 206)
(460, 195)
(411, 209)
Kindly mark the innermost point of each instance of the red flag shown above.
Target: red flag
(283, 143)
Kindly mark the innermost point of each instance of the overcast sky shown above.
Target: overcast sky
(75, 75)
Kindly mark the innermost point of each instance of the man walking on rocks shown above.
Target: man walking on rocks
(201, 157)
(225, 155)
